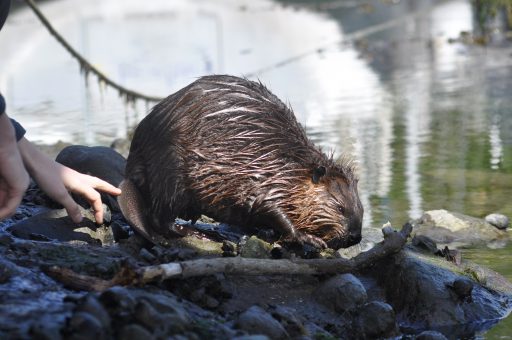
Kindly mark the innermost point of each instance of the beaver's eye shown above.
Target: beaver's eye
(341, 209)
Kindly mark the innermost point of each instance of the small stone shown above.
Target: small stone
(342, 293)
(117, 300)
(255, 248)
(85, 326)
(147, 256)
(92, 306)
(291, 321)
(211, 302)
(499, 221)
(425, 243)
(463, 287)
(430, 335)
(44, 331)
(134, 332)
(228, 249)
(251, 337)
(146, 315)
(256, 320)
(376, 319)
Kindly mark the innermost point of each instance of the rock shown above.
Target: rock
(255, 321)
(376, 320)
(462, 287)
(56, 225)
(147, 256)
(417, 285)
(85, 326)
(498, 220)
(98, 161)
(92, 306)
(134, 332)
(341, 293)
(430, 335)
(255, 248)
(45, 331)
(291, 321)
(449, 227)
(147, 316)
(251, 337)
(425, 243)
(117, 300)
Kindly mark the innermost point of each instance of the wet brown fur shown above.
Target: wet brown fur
(228, 148)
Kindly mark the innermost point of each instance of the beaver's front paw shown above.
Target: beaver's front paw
(304, 241)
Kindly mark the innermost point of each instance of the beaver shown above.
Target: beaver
(228, 148)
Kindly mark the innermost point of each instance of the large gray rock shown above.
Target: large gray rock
(423, 291)
(447, 227)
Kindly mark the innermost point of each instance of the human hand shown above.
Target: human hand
(56, 180)
(14, 178)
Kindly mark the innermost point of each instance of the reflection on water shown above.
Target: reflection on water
(429, 122)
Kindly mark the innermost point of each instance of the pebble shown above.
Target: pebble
(430, 335)
(147, 256)
(256, 320)
(117, 299)
(376, 319)
(291, 321)
(92, 306)
(134, 332)
(255, 248)
(146, 315)
(85, 326)
(45, 331)
(463, 287)
(425, 243)
(500, 221)
(342, 293)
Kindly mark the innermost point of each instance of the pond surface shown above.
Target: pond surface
(428, 121)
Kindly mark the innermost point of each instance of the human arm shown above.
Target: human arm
(14, 179)
(56, 180)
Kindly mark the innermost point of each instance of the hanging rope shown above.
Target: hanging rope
(86, 66)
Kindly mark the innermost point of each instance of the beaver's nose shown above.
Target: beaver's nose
(354, 238)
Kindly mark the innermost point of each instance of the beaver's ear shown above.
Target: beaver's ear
(318, 173)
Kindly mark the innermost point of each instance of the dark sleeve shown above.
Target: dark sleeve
(2, 104)
(20, 131)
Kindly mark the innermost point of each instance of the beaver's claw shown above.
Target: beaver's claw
(306, 239)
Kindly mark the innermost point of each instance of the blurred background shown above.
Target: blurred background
(418, 92)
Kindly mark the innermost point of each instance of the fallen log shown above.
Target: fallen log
(129, 275)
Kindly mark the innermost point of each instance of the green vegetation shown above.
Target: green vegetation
(485, 10)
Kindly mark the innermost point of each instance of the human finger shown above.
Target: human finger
(9, 206)
(94, 199)
(104, 186)
(71, 207)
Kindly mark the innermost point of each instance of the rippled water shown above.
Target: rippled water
(429, 122)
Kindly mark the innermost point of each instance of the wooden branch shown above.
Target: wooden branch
(393, 242)
(85, 65)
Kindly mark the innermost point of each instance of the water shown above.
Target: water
(429, 122)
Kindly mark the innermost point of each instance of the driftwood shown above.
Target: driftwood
(128, 275)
